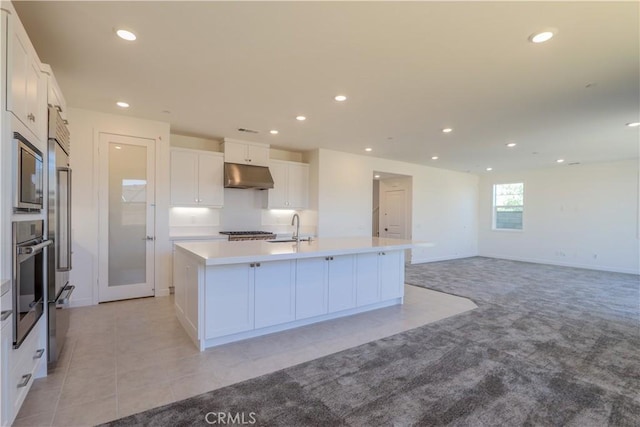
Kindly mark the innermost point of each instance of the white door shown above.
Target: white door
(127, 217)
(394, 217)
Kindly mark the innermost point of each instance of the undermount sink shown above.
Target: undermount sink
(289, 240)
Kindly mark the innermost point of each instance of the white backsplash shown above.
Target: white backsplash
(242, 211)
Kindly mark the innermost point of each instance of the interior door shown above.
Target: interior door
(394, 219)
(127, 217)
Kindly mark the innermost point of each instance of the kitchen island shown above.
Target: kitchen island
(229, 291)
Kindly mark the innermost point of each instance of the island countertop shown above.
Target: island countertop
(225, 252)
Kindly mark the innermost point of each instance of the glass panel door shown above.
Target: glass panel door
(127, 189)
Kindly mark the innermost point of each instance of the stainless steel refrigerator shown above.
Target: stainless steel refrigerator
(58, 230)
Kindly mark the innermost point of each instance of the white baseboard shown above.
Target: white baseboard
(162, 292)
(444, 258)
(563, 264)
(81, 302)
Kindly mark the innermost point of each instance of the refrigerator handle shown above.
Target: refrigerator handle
(64, 223)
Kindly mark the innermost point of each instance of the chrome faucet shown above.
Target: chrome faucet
(297, 224)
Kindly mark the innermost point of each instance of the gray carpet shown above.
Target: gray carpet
(548, 346)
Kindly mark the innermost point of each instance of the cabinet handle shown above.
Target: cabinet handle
(25, 381)
(39, 353)
(59, 108)
(257, 264)
(5, 315)
(331, 258)
(326, 258)
(252, 265)
(65, 121)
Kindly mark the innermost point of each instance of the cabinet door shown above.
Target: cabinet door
(184, 178)
(19, 75)
(367, 278)
(258, 155)
(229, 300)
(311, 287)
(298, 186)
(341, 283)
(210, 180)
(6, 389)
(235, 152)
(36, 101)
(278, 194)
(275, 293)
(179, 279)
(391, 274)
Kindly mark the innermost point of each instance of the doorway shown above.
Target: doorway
(127, 217)
(392, 205)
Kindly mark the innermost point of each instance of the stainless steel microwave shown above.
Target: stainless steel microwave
(28, 182)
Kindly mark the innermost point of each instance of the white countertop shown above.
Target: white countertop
(225, 252)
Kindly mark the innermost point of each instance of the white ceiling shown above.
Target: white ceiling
(409, 69)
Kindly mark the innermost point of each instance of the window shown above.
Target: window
(508, 204)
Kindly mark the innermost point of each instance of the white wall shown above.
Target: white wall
(444, 203)
(581, 216)
(85, 127)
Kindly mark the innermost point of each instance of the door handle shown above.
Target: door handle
(5, 314)
(149, 238)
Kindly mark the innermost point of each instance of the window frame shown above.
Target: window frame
(494, 210)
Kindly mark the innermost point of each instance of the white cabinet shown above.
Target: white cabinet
(312, 290)
(380, 276)
(27, 100)
(5, 365)
(275, 293)
(248, 153)
(342, 283)
(325, 285)
(188, 277)
(391, 274)
(197, 178)
(367, 278)
(24, 364)
(290, 185)
(54, 94)
(229, 300)
(241, 297)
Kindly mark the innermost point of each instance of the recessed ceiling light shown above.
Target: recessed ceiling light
(489, 169)
(340, 98)
(368, 149)
(122, 104)
(301, 118)
(560, 161)
(117, 147)
(273, 132)
(126, 35)
(376, 176)
(447, 130)
(434, 158)
(541, 37)
(633, 125)
(511, 144)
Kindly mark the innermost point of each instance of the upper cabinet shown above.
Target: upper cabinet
(290, 185)
(54, 94)
(26, 97)
(248, 153)
(196, 178)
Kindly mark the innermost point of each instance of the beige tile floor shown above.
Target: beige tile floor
(125, 357)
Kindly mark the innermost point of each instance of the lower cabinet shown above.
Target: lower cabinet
(325, 285)
(23, 366)
(219, 301)
(275, 293)
(380, 276)
(228, 300)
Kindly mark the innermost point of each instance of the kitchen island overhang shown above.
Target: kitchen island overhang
(229, 291)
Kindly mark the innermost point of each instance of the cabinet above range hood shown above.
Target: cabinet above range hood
(237, 175)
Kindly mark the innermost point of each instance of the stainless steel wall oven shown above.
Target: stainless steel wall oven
(29, 249)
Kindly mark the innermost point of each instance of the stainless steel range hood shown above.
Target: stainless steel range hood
(247, 176)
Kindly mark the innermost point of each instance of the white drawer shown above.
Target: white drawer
(24, 362)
